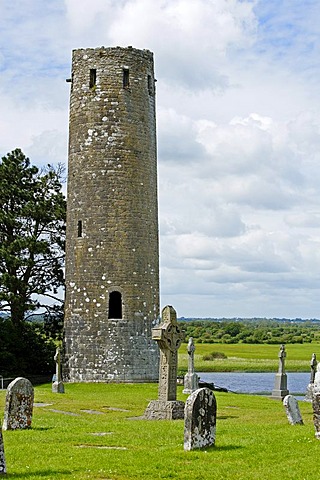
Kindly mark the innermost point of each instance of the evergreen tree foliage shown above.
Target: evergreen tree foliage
(25, 350)
(32, 236)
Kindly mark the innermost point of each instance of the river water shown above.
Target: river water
(258, 383)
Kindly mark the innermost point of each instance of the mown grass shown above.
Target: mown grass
(254, 439)
(249, 357)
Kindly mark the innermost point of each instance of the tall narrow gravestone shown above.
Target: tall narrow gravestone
(191, 379)
(316, 402)
(280, 385)
(19, 405)
(57, 386)
(200, 419)
(292, 410)
(313, 368)
(169, 337)
(2, 458)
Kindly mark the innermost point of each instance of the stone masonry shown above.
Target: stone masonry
(292, 409)
(169, 337)
(3, 470)
(200, 417)
(280, 383)
(112, 254)
(19, 405)
(191, 379)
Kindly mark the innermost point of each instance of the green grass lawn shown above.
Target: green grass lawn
(244, 357)
(254, 439)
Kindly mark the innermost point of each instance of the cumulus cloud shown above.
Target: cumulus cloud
(238, 128)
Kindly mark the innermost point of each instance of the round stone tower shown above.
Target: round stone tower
(112, 253)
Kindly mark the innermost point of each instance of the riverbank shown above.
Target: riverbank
(249, 357)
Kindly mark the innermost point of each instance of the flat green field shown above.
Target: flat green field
(94, 431)
(243, 357)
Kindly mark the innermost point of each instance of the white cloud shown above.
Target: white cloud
(238, 133)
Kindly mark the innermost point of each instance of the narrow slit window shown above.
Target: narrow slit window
(115, 305)
(125, 77)
(79, 228)
(93, 78)
(150, 86)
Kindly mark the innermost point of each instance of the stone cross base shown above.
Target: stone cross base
(280, 386)
(57, 387)
(191, 383)
(164, 410)
(280, 394)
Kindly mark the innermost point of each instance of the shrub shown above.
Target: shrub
(213, 356)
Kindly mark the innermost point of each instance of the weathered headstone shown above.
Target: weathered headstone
(57, 385)
(292, 410)
(316, 402)
(280, 385)
(200, 415)
(169, 338)
(191, 379)
(313, 368)
(2, 457)
(19, 405)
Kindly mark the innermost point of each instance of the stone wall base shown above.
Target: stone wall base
(164, 410)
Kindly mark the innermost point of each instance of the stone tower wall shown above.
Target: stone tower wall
(112, 218)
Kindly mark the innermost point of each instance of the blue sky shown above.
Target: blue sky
(238, 105)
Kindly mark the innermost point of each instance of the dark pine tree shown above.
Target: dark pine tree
(32, 236)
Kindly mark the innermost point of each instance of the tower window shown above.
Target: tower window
(150, 86)
(93, 77)
(125, 77)
(79, 228)
(115, 305)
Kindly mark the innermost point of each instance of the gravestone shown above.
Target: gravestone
(292, 410)
(19, 405)
(280, 385)
(316, 402)
(313, 368)
(57, 385)
(169, 337)
(200, 415)
(2, 458)
(191, 379)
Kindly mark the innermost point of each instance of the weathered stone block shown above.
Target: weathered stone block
(200, 419)
(164, 410)
(2, 457)
(316, 413)
(19, 405)
(292, 410)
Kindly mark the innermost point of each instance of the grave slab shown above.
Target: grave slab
(292, 410)
(19, 405)
(200, 420)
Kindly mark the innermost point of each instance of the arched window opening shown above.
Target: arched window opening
(115, 305)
